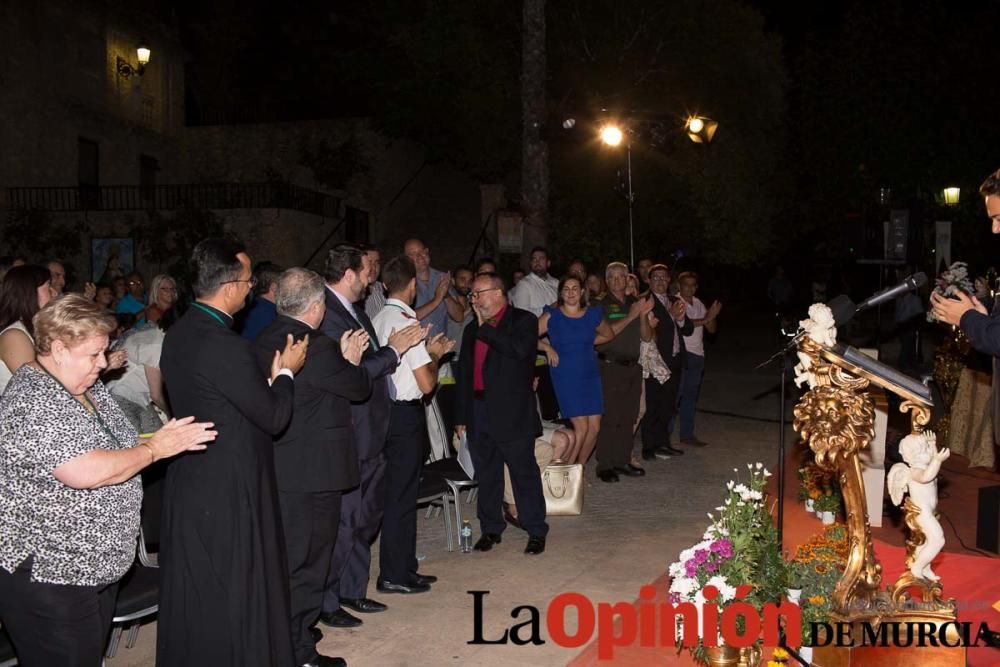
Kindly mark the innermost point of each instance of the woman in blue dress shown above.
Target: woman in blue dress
(574, 330)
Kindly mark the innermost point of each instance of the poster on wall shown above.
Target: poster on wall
(111, 258)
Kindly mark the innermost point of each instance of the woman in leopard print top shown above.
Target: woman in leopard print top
(69, 489)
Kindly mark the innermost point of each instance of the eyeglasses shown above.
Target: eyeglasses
(252, 281)
(475, 294)
(571, 288)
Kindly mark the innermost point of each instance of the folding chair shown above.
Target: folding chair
(138, 597)
(435, 493)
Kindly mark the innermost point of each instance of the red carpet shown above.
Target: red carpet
(973, 580)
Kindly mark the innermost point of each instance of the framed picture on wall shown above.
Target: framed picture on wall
(111, 258)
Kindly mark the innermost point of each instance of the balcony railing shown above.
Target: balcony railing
(170, 197)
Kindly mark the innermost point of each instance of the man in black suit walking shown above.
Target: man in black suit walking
(661, 399)
(494, 398)
(314, 458)
(346, 274)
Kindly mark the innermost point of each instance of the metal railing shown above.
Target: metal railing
(170, 197)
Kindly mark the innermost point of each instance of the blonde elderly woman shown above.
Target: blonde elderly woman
(162, 297)
(69, 488)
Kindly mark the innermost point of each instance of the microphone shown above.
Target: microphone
(843, 309)
(915, 281)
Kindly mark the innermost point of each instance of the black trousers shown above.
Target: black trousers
(360, 520)
(404, 457)
(445, 397)
(661, 406)
(488, 457)
(310, 521)
(622, 389)
(546, 394)
(56, 624)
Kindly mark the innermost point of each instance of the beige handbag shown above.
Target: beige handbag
(562, 485)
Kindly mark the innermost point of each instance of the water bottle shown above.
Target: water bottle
(466, 536)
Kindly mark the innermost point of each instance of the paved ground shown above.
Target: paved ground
(627, 536)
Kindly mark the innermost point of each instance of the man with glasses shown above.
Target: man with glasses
(621, 375)
(134, 301)
(661, 399)
(224, 596)
(496, 402)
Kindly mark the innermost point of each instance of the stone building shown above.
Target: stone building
(93, 145)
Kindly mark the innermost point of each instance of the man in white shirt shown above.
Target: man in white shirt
(405, 447)
(702, 319)
(537, 289)
(532, 293)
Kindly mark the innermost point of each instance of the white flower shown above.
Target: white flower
(741, 489)
(759, 465)
(730, 485)
(725, 590)
(766, 473)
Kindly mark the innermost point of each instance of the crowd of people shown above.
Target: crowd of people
(292, 407)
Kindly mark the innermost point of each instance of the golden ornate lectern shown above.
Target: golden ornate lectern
(836, 417)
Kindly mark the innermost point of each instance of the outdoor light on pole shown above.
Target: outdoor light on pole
(700, 129)
(951, 196)
(612, 135)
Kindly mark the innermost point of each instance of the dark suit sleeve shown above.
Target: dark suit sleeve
(463, 379)
(983, 332)
(688, 327)
(381, 363)
(520, 341)
(238, 377)
(336, 375)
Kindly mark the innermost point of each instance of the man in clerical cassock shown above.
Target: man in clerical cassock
(223, 572)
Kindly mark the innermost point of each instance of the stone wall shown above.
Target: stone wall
(59, 82)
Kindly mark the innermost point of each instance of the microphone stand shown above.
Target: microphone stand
(783, 354)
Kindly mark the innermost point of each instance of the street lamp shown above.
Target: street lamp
(700, 129)
(951, 196)
(612, 135)
(125, 69)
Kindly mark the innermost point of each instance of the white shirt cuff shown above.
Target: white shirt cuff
(284, 371)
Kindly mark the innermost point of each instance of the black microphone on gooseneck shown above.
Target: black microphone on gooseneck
(916, 281)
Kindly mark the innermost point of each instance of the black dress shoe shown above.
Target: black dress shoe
(422, 578)
(340, 619)
(486, 541)
(363, 605)
(630, 470)
(667, 452)
(536, 545)
(693, 442)
(409, 588)
(326, 661)
(608, 475)
(316, 634)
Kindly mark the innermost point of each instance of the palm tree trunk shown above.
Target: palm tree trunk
(534, 150)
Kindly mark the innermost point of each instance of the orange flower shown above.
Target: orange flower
(817, 599)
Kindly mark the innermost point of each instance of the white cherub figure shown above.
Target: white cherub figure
(822, 328)
(918, 476)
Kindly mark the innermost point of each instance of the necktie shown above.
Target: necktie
(366, 324)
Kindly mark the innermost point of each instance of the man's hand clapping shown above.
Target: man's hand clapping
(441, 290)
(678, 309)
(353, 344)
(293, 357)
(405, 338)
(438, 346)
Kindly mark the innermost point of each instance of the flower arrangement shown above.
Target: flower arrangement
(828, 502)
(952, 280)
(815, 482)
(816, 569)
(739, 547)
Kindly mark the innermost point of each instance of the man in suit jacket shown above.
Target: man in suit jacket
(223, 569)
(661, 399)
(346, 274)
(315, 458)
(495, 400)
